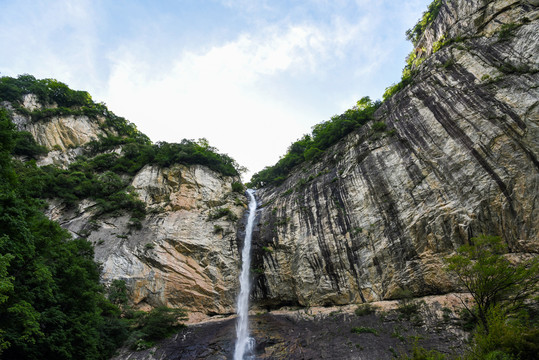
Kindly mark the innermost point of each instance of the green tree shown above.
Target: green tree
(507, 338)
(51, 301)
(491, 279)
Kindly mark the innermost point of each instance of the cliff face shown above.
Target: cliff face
(181, 256)
(184, 253)
(377, 213)
(458, 158)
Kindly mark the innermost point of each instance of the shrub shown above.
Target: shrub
(267, 249)
(395, 88)
(222, 212)
(365, 309)
(379, 126)
(238, 187)
(364, 330)
(26, 145)
(310, 147)
(506, 31)
(155, 325)
(415, 33)
(505, 338)
(474, 266)
(419, 353)
(217, 229)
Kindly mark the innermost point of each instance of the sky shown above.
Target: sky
(250, 76)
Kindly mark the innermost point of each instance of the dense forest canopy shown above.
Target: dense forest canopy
(51, 303)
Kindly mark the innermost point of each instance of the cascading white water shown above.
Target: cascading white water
(243, 342)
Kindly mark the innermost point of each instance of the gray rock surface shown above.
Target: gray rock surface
(180, 257)
(380, 210)
(459, 158)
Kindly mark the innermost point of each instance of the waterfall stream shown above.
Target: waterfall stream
(245, 344)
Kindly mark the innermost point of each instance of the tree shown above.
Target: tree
(491, 279)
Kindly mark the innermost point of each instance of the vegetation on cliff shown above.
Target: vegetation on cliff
(327, 133)
(415, 33)
(504, 299)
(310, 147)
(57, 99)
(413, 60)
(104, 172)
(52, 305)
(503, 314)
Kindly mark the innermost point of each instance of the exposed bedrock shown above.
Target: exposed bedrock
(458, 158)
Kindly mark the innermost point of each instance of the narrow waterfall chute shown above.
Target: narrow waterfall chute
(244, 343)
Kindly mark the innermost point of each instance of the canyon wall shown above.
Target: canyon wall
(181, 256)
(184, 253)
(458, 158)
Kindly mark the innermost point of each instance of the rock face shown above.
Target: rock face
(59, 132)
(182, 256)
(376, 214)
(459, 158)
(61, 135)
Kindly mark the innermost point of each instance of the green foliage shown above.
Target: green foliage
(503, 294)
(222, 212)
(415, 33)
(217, 229)
(159, 323)
(25, 145)
(364, 330)
(409, 308)
(267, 249)
(505, 338)
(365, 309)
(238, 187)
(506, 31)
(379, 126)
(395, 88)
(413, 61)
(137, 154)
(448, 63)
(80, 181)
(311, 147)
(48, 91)
(117, 293)
(51, 303)
(419, 353)
(491, 279)
(137, 147)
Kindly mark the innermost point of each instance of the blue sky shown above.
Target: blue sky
(250, 76)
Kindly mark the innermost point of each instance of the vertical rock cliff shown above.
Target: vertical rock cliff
(183, 252)
(457, 158)
(452, 155)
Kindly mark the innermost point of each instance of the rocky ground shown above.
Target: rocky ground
(323, 333)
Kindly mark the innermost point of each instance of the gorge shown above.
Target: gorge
(450, 154)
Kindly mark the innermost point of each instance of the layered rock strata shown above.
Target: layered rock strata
(458, 158)
(182, 255)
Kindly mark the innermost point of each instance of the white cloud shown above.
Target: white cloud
(292, 65)
(216, 94)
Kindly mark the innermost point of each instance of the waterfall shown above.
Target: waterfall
(244, 343)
